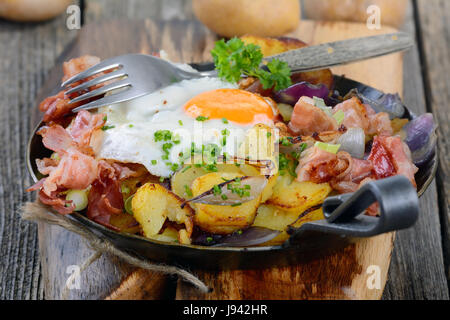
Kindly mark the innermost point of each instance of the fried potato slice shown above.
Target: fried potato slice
(273, 46)
(221, 219)
(274, 218)
(291, 195)
(153, 204)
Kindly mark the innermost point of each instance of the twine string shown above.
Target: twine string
(35, 211)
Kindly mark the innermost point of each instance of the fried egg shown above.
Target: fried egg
(161, 129)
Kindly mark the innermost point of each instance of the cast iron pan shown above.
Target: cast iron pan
(343, 225)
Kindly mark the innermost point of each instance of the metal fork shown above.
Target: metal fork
(137, 75)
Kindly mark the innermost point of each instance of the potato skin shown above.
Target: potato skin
(32, 10)
(221, 219)
(230, 18)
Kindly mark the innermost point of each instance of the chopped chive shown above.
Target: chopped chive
(209, 239)
(180, 122)
(161, 179)
(236, 204)
(224, 196)
(104, 128)
(186, 169)
(224, 120)
(130, 126)
(269, 134)
(202, 118)
(188, 190)
(154, 162)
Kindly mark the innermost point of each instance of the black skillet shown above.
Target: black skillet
(343, 225)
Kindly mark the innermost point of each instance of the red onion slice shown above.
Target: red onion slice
(292, 94)
(225, 194)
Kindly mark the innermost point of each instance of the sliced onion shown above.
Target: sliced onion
(222, 194)
(292, 94)
(249, 237)
(421, 138)
(285, 111)
(353, 141)
(79, 198)
(389, 103)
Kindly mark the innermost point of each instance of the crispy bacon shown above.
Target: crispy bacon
(399, 156)
(359, 115)
(320, 166)
(382, 164)
(308, 119)
(57, 106)
(105, 198)
(77, 65)
(84, 125)
(76, 167)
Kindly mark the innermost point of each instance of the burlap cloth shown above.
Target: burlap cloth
(36, 211)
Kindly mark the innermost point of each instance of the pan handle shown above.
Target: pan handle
(397, 199)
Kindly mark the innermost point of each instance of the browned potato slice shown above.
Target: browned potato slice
(273, 46)
(274, 218)
(153, 204)
(221, 219)
(291, 195)
(125, 223)
(189, 173)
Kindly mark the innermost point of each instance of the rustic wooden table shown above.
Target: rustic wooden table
(420, 261)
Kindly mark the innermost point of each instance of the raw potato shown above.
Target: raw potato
(392, 11)
(276, 219)
(291, 195)
(32, 10)
(221, 219)
(153, 204)
(267, 18)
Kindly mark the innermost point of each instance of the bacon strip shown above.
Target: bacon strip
(57, 106)
(359, 115)
(308, 119)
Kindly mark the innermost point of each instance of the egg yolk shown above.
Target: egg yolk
(232, 104)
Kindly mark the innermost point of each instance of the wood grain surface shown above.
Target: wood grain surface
(29, 51)
(434, 25)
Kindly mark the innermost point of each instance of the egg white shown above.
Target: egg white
(134, 123)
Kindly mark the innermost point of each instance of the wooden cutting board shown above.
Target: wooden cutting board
(343, 275)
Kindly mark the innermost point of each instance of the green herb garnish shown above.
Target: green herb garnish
(104, 128)
(201, 118)
(235, 58)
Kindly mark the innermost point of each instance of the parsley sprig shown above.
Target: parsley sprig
(235, 58)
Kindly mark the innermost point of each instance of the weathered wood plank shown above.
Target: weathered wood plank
(27, 53)
(434, 24)
(97, 10)
(417, 268)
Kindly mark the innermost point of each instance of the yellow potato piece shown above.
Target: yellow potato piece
(291, 195)
(221, 219)
(153, 204)
(274, 218)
